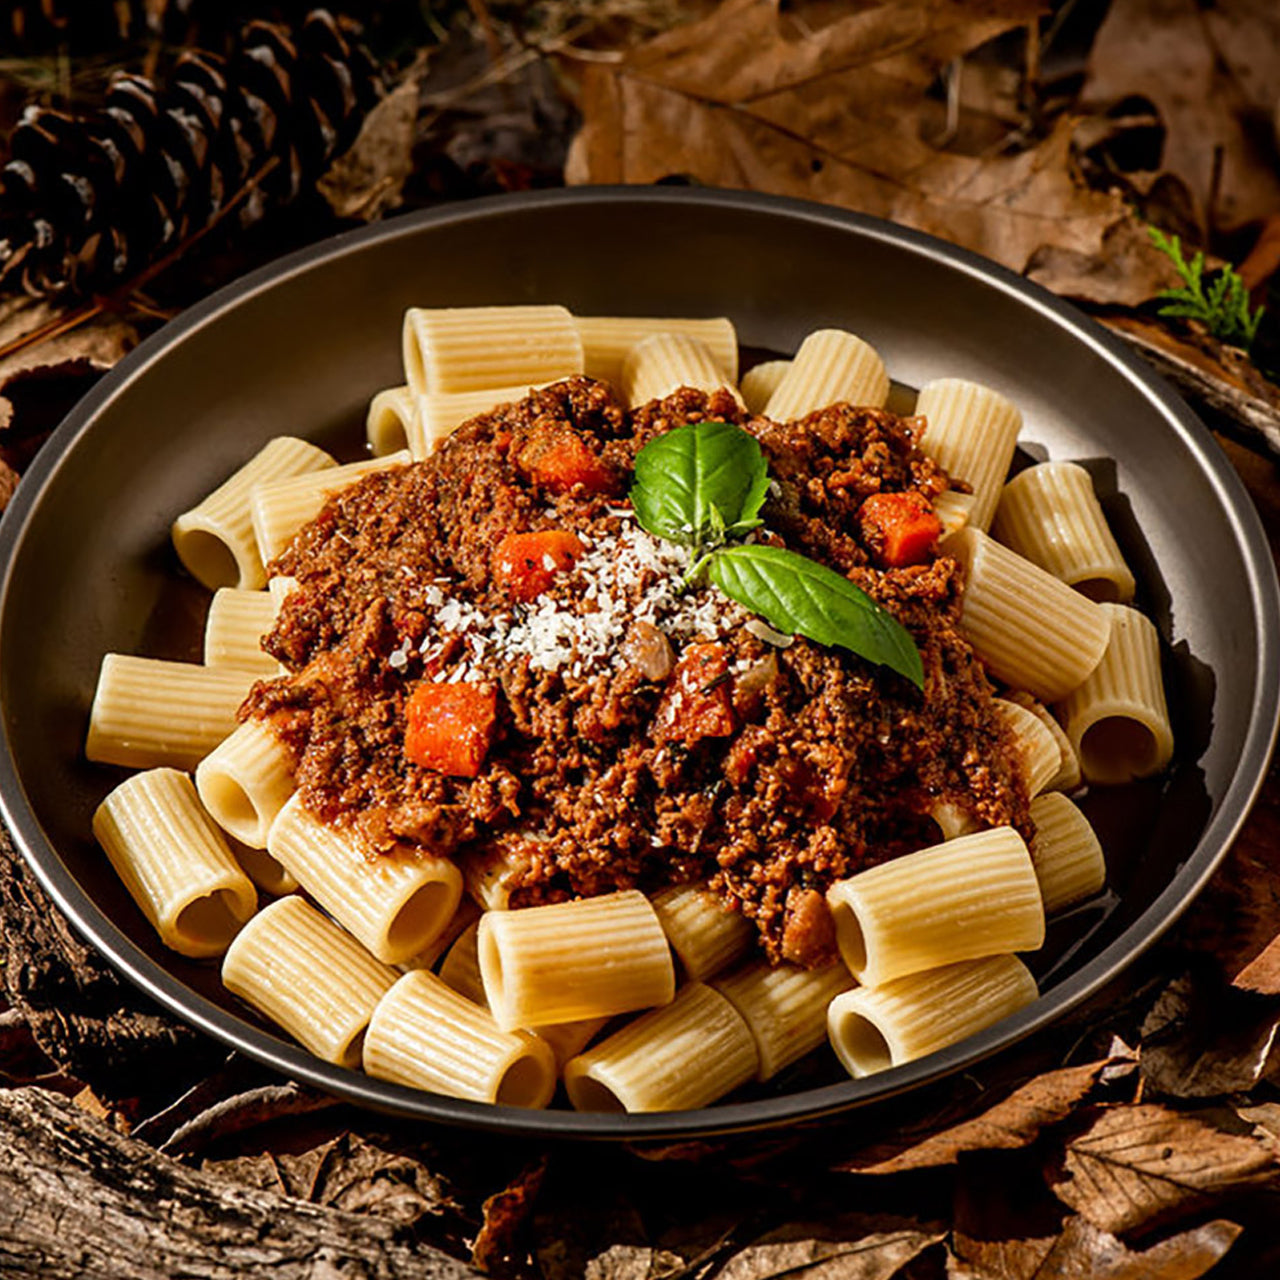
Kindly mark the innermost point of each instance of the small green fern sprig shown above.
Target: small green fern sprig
(1221, 305)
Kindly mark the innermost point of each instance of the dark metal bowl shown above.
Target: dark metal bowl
(301, 346)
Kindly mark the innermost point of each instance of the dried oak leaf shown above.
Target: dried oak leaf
(1211, 71)
(506, 1214)
(1200, 1042)
(367, 181)
(1013, 1122)
(852, 1246)
(8, 483)
(751, 97)
(1085, 1252)
(1004, 1219)
(1133, 1166)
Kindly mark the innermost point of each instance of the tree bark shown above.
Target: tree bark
(78, 1200)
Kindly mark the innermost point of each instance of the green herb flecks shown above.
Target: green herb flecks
(1221, 304)
(705, 483)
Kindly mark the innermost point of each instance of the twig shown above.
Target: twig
(119, 298)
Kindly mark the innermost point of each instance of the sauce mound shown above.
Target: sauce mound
(635, 731)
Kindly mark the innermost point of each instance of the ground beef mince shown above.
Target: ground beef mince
(645, 733)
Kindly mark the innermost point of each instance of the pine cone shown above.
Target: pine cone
(88, 200)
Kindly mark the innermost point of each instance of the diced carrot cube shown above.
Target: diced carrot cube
(450, 727)
(697, 702)
(900, 528)
(525, 564)
(562, 460)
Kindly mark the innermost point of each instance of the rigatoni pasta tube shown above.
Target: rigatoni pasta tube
(460, 970)
(394, 903)
(1031, 630)
(874, 1028)
(467, 914)
(389, 425)
(1038, 751)
(1067, 777)
(686, 1055)
(1050, 514)
(831, 366)
(566, 961)
(301, 970)
(1065, 851)
(215, 541)
(233, 630)
(438, 414)
(150, 712)
(279, 509)
(785, 1008)
(704, 933)
(664, 362)
(425, 1035)
(1117, 719)
(971, 431)
(490, 872)
(174, 862)
(245, 781)
(953, 508)
(474, 348)
(760, 382)
(606, 340)
(973, 896)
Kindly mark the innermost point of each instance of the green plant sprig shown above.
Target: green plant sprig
(702, 485)
(1221, 304)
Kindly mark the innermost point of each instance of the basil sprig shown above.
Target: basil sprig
(700, 483)
(704, 483)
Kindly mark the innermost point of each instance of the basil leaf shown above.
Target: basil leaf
(796, 594)
(702, 478)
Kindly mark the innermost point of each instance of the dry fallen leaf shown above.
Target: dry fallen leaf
(1004, 1219)
(1212, 73)
(1137, 1165)
(1013, 1122)
(366, 182)
(755, 98)
(1200, 1042)
(8, 483)
(1084, 1252)
(850, 1246)
(505, 1215)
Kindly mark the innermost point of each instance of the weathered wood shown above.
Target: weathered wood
(92, 1024)
(79, 1200)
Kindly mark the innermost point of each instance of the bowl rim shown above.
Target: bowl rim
(292, 1060)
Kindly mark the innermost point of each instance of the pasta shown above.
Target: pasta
(830, 365)
(874, 1028)
(424, 1034)
(1117, 719)
(1050, 514)
(972, 431)
(215, 541)
(445, 761)
(236, 622)
(692, 1052)
(1033, 631)
(174, 862)
(475, 348)
(300, 969)
(148, 712)
(245, 781)
(564, 962)
(970, 897)
(395, 905)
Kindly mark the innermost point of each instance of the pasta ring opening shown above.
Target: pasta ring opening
(210, 921)
(860, 1045)
(849, 937)
(1100, 590)
(489, 957)
(589, 1094)
(528, 1082)
(209, 559)
(422, 916)
(265, 871)
(1118, 749)
(232, 807)
(414, 369)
